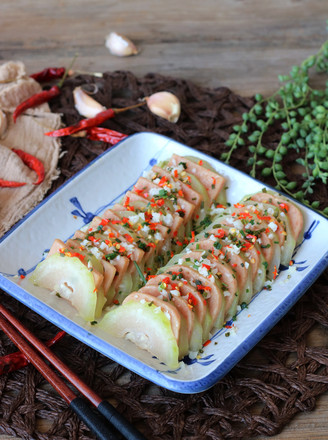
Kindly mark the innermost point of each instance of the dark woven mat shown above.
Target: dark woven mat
(281, 377)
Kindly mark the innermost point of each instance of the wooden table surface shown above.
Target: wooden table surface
(240, 44)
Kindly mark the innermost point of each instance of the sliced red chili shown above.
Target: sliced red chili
(48, 74)
(33, 163)
(35, 100)
(10, 184)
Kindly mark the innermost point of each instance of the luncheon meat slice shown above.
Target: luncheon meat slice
(239, 264)
(152, 191)
(213, 269)
(172, 295)
(178, 324)
(294, 214)
(213, 182)
(59, 247)
(210, 291)
(194, 298)
(189, 194)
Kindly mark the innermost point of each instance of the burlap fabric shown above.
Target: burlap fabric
(281, 377)
(26, 134)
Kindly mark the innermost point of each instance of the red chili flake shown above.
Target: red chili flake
(128, 238)
(126, 202)
(166, 280)
(180, 193)
(163, 181)
(137, 191)
(207, 343)
(176, 175)
(220, 206)
(207, 266)
(191, 299)
(122, 249)
(239, 205)
(116, 301)
(234, 265)
(192, 237)
(201, 287)
(251, 237)
(265, 218)
(153, 245)
(160, 202)
(150, 277)
(246, 246)
(22, 276)
(284, 207)
(200, 162)
(244, 215)
(125, 220)
(275, 272)
(175, 233)
(104, 222)
(73, 254)
(213, 181)
(93, 239)
(291, 262)
(179, 243)
(220, 233)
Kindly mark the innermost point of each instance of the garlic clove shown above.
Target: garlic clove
(3, 123)
(85, 105)
(120, 45)
(164, 104)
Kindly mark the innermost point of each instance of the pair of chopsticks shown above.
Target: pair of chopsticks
(107, 422)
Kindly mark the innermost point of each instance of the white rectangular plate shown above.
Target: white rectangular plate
(100, 185)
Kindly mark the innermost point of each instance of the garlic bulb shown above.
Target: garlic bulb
(85, 105)
(164, 104)
(120, 45)
(3, 123)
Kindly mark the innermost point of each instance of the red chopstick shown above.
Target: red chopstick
(78, 404)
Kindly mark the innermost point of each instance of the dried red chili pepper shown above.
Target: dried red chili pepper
(104, 135)
(48, 74)
(85, 124)
(33, 163)
(10, 184)
(14, 361)
(35, 100)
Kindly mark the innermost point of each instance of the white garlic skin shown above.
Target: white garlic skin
(164, 104)
(120, 45)
(3, 123)
(85, 105)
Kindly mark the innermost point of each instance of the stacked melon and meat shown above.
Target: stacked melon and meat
(173, 261)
